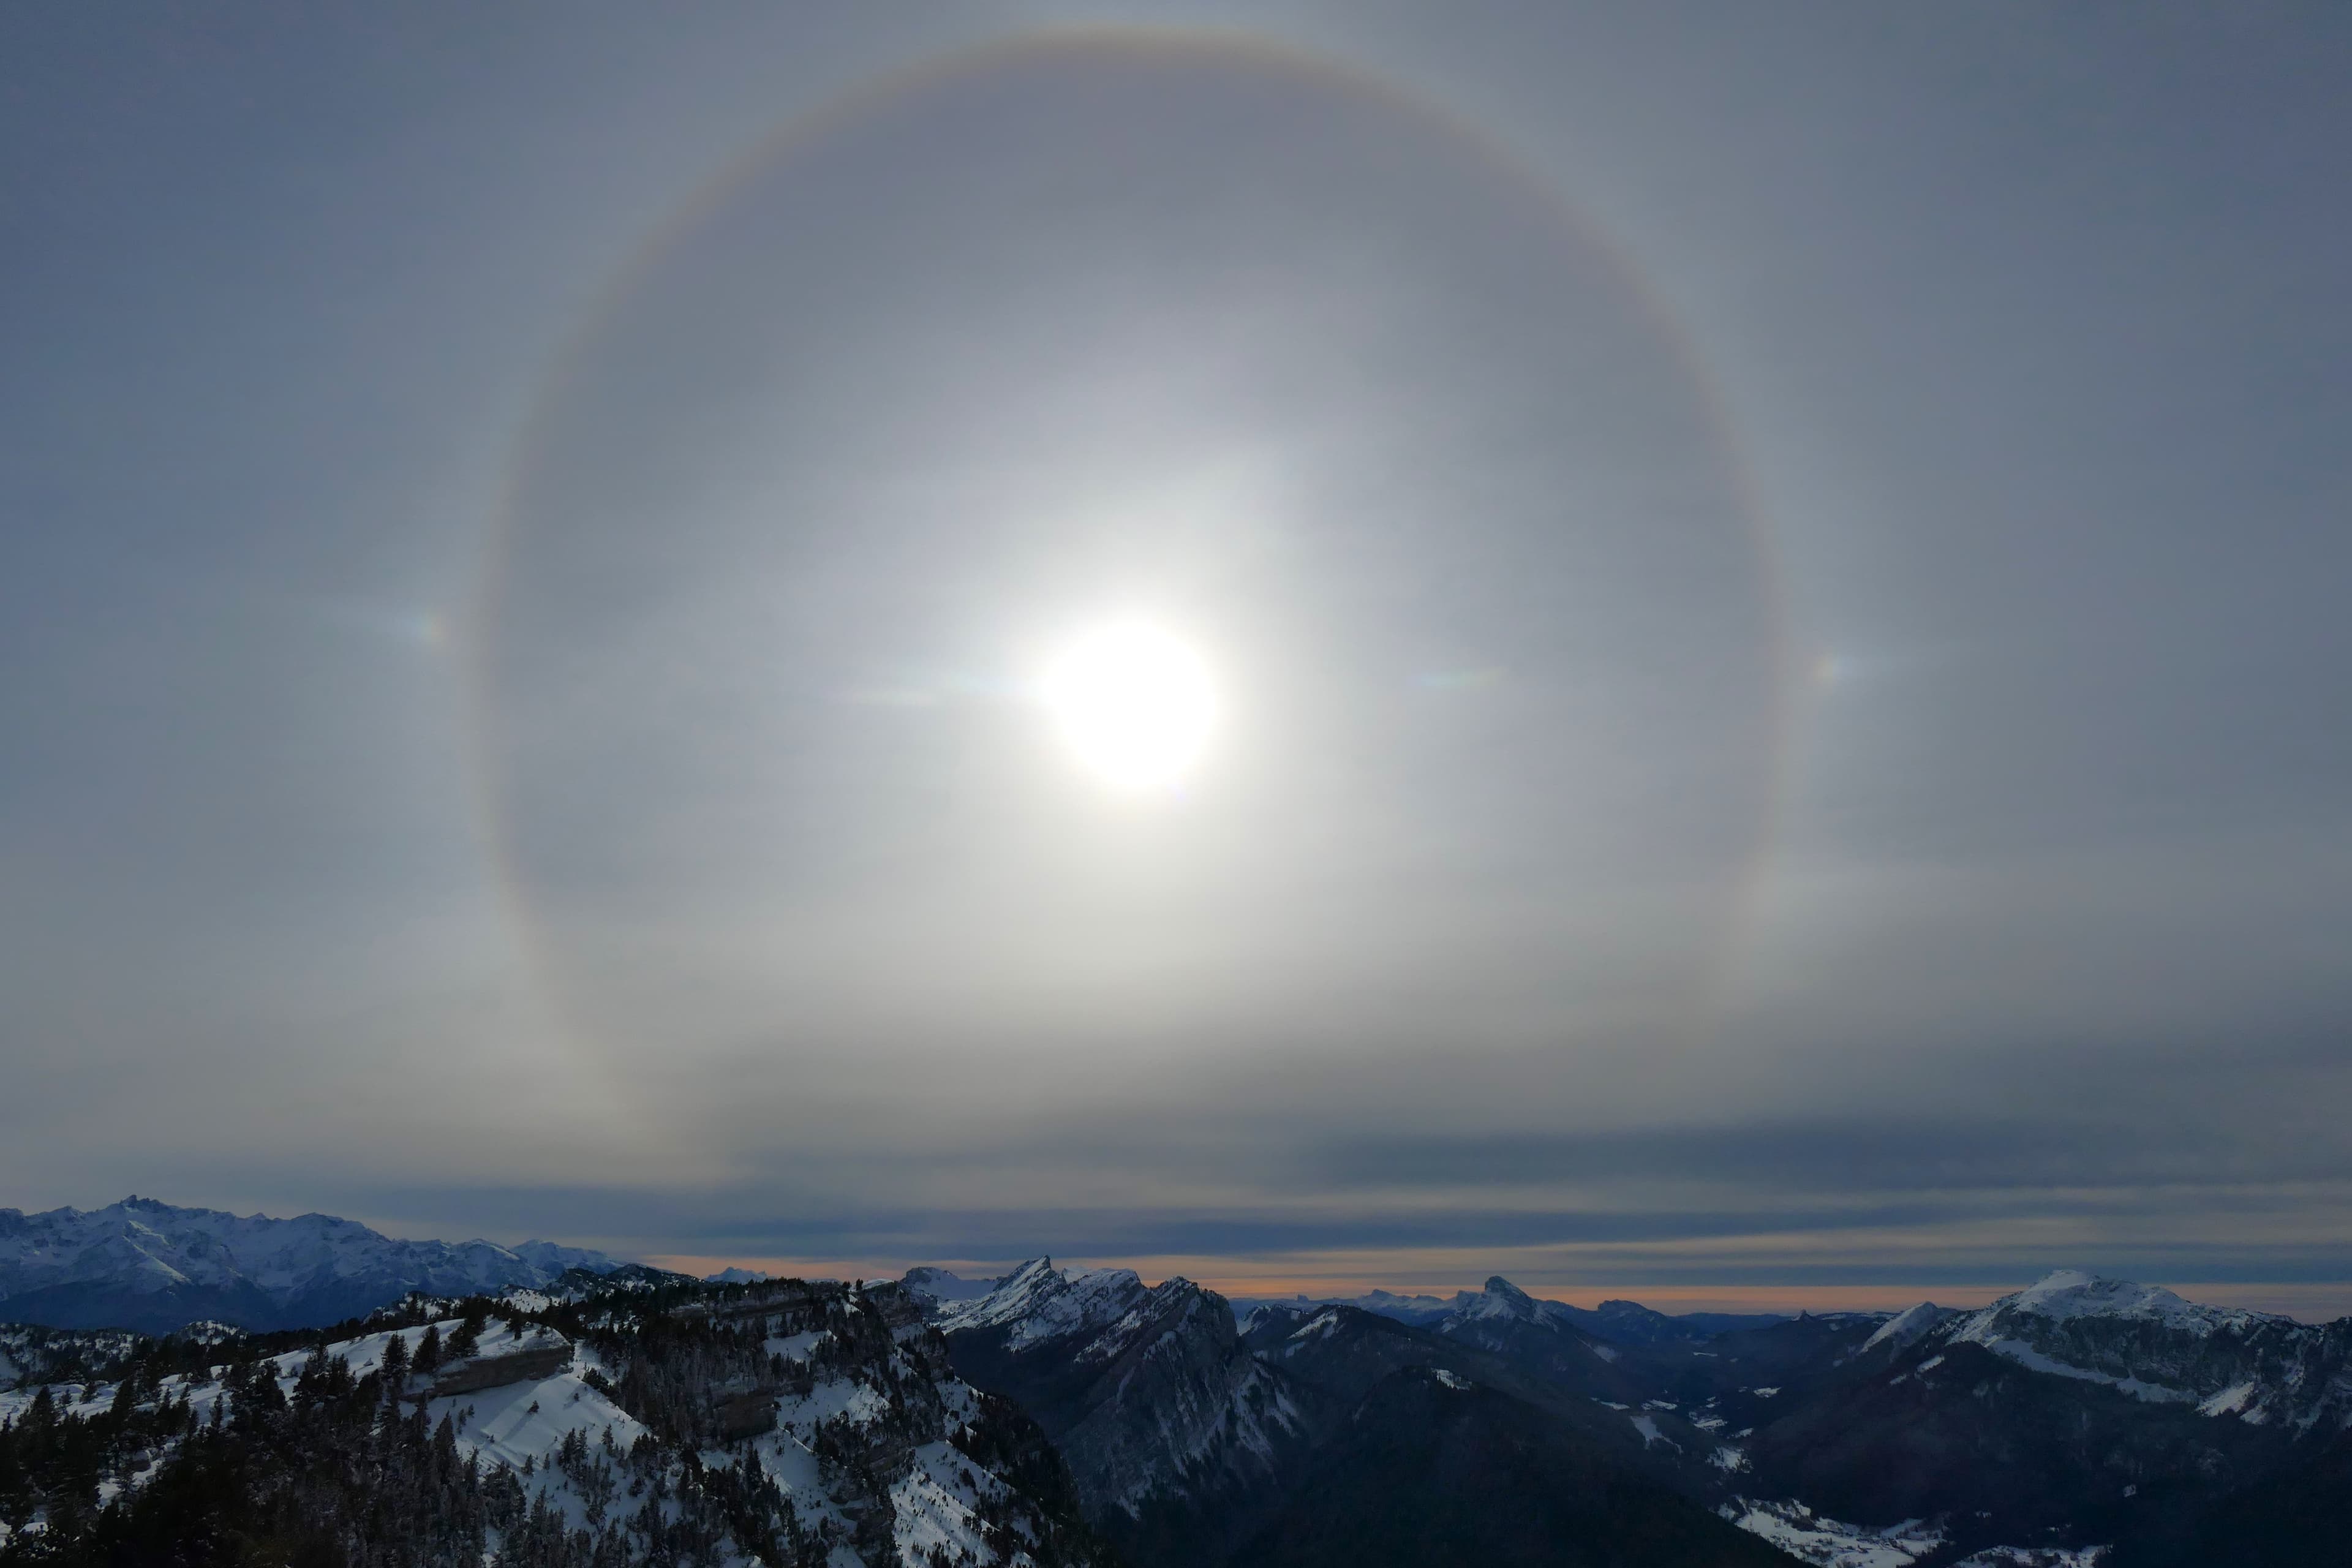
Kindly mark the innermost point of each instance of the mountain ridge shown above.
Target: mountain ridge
(2098, 1419)
(155, 1266)
(1195, 1441)
(1616, 1319)
(2077, 1421)
(625, 1421)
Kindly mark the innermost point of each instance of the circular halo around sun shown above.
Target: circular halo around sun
(1089, 337)
(1134, 705)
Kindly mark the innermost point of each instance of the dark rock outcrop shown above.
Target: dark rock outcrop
(536, 1354)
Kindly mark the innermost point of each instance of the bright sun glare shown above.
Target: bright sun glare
(1135, 706)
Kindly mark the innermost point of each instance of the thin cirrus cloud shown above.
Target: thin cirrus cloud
(1775, 675)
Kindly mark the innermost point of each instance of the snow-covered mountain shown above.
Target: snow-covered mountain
(786, 1423)
(2080, 1421)
(1905, 1328)
(150, 1266)
(2114, 1420)
(2147, 1341)
(1165, 1420)
(1326, 1434)
(1543, 1335)
(1037, 1302)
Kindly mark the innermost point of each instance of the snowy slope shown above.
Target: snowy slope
(1907, 1327)
(1037, 1302)
(2146, 1342)
(832, 1407)
(1816, 1538)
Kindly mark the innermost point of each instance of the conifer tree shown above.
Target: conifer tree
(395, 1366)
(470, 1331)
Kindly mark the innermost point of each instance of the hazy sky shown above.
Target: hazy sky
(1774, 581)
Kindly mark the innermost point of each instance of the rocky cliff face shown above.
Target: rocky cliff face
(1195, 1444)
(503, 1355)
(1177, 1436)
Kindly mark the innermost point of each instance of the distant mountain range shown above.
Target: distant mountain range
(1061, 1416)
(140, 1264)
(1618, 1322)
(2083, 1421)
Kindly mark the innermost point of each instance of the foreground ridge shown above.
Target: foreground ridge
(599, 1422)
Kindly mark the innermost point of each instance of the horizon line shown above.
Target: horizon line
(2307, 1300)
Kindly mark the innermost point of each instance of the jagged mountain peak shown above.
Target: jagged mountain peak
(1148, 1393)
(1501, 1298)
(1037, 1302)
(1502, 1301)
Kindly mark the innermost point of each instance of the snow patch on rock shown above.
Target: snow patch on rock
(1827, 1542)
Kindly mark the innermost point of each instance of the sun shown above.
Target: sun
(1134, 704)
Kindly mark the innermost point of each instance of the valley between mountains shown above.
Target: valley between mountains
(162, 1400)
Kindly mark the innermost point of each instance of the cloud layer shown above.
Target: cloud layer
(1776, 607)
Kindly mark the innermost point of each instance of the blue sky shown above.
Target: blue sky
(1773, 580)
